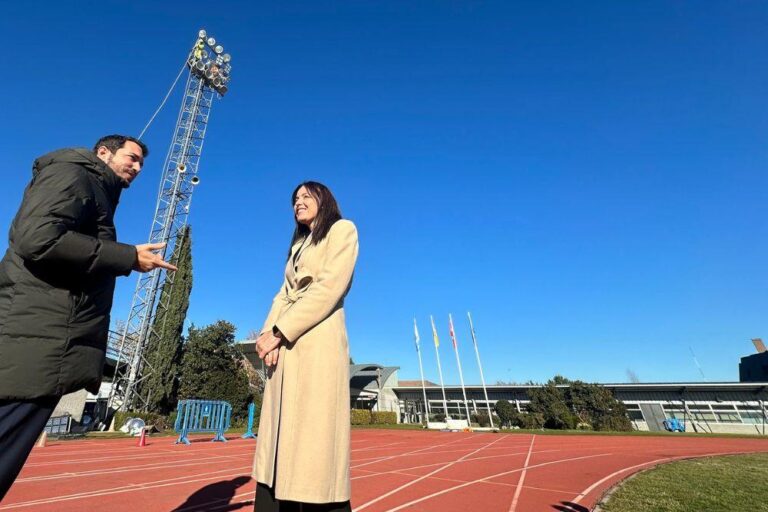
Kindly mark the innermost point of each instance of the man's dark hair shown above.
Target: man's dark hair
(327, 213)
(115, 142)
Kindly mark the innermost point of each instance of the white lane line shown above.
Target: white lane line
(406, 454)
(379, 473)
(379, 447)
(86, 447)
(182, 480)
(592, 487)
(145, 455)
(488, 482)
(461, 450)
(129, 469)
(483, 480)
(413, 482)
(519, 489)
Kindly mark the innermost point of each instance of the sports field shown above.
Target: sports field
(391, 470)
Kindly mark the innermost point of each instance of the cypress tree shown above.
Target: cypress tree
(165, 344)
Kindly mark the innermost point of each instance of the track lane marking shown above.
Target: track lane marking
(480, 480)
(406, 454)
(129, 488)
(144, 467)
(377, 473)
(519, 488)
(404, 486)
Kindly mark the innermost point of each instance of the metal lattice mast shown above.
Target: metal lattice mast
(209, 70)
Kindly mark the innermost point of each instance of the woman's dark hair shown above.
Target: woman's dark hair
(327, 213)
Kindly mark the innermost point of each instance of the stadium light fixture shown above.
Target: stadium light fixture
(209, 62)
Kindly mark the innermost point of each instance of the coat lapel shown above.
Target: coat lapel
(300, 250)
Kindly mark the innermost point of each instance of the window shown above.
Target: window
(57, 425)
(750, 414)
(674, 412)
(702, 414)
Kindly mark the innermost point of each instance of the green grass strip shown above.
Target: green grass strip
(737, 483)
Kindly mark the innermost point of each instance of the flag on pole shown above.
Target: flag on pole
(434, 335)
(416, 334)
(450, 330)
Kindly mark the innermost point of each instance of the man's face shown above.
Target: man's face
(126, 162)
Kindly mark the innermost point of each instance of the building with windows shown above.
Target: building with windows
(717, 407)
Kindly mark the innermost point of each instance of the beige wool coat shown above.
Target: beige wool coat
(303, 444)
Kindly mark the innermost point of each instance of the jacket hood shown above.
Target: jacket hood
(88, 159)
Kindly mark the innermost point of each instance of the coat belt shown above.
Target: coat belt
(291, 297)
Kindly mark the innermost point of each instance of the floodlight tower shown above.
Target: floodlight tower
(208, 77)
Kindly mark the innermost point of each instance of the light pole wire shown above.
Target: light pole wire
(173, 86)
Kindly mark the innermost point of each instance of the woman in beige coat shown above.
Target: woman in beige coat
(302, 453)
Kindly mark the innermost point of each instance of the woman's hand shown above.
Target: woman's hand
(271, 358)
(266, 343)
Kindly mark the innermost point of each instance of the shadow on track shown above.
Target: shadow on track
(216, 496)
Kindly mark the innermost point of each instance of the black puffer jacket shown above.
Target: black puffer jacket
(58, 276)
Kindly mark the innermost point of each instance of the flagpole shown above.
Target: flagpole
(480, 365)
(458, 362)
(421, 369)
(439, 368)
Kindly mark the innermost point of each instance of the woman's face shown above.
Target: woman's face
(305, 207)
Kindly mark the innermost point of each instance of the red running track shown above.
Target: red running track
(391, 471)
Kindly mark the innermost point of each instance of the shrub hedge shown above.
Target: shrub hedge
(383, 417)
(366, 417)
(360, 417)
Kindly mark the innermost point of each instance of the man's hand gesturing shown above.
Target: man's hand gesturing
(149, 260)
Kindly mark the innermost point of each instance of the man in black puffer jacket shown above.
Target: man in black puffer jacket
(56, 284)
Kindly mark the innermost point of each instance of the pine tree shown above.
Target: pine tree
(211, 368)
(165, 344)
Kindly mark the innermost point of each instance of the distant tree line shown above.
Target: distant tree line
(578, 406)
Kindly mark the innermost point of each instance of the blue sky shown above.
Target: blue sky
(587, 178)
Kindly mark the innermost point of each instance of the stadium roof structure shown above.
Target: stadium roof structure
(368, 379)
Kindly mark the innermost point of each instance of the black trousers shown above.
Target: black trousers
(21, 422)
(265, 502)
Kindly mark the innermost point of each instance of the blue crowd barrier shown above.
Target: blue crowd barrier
(251, 413)
(202, 416)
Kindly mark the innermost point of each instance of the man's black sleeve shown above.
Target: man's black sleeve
(45, 227)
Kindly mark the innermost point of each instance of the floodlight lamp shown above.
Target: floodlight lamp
(218, 49)
(181, 168)
(211, 41)
(217, 82)
(195, 180)
(202, 34)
